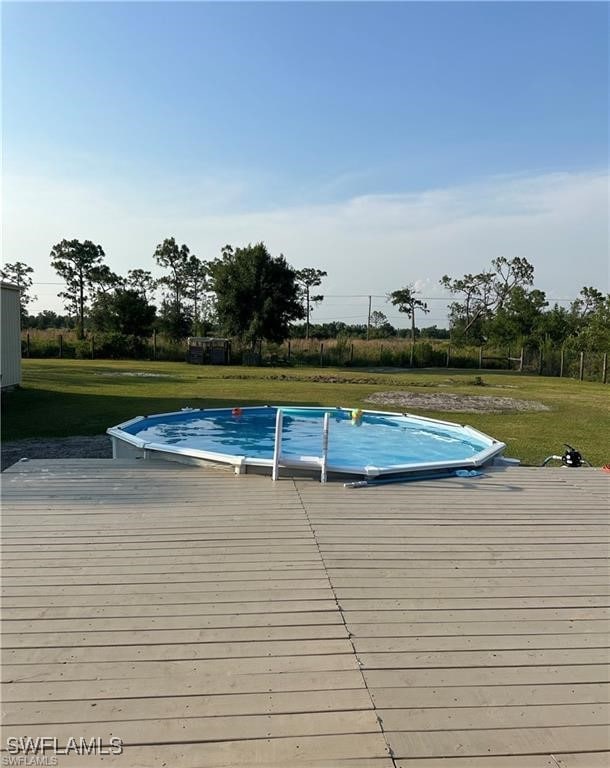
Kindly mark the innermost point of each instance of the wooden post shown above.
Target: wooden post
(604, 368)
(540, 361)
(92, 347)
(60, 338)
(412, 354)
(521, 361)
(321, 353)
(448, 355)
(27, 344)
(581, 368)
(368, 322)
(480, 358)
(289, 352)
(260, 352)
(561, 357)
(154, 340)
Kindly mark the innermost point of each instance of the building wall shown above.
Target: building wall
(10, 369)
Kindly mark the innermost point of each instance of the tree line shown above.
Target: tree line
(249, 294)
(245, 292)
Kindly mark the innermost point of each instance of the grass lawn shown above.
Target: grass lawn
(79, 397)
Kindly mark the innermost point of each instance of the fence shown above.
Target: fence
(357, 353)
(65, 344)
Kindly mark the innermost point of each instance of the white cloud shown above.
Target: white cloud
(368, 244)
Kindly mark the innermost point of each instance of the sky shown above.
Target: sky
(387, 143)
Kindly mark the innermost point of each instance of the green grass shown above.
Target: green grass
(79, 397)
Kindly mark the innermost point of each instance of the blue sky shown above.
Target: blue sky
(230, 122)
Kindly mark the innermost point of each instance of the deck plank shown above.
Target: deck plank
(220, 621)
(500, 741)
(479, 615)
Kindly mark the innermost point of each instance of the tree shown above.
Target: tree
(595, 336)
(125, 311)
(587, 303)
(74, 262)
(406, 300)
(382, 328)
(257, 294)
(590, 316)
(307, 279)
(175, 317)
(19, 273)
(195, 287)
(520, 317)
(102, 279)
(173, 257)
(176, 324)
(378, 319)
(49, 319)
(434, 332)
(142, 281)
(485, 293)
(557, 324)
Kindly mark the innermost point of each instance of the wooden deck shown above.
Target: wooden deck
(217, 620)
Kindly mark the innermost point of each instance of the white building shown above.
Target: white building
(10, 370)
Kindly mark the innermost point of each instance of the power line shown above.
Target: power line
(383, 296)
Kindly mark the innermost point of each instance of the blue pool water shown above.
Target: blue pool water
(376, 440)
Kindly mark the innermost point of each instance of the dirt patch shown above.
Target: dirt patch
(445, 401)
(322, 379)
(138, 374)
(77, 447)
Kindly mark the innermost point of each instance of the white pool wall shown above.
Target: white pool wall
(126, 445)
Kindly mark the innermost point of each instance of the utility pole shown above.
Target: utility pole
(368, 322)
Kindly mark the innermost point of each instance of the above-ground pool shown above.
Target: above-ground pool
(364, 443)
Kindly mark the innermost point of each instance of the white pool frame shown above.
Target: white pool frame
(126, 445)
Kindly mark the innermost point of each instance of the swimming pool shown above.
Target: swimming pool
(364, 443)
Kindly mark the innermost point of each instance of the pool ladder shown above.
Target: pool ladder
(277, 446)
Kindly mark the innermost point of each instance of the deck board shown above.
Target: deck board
(212, 620)
(479, 613)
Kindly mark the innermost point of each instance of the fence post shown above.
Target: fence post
(288, 350)
(480, 358)
(61, 345)
(521, 361)
(540, 361)
(411, 354)
(27, 345)
(154, 340)
(448, 355)
(277, 446)
(92, 347)
(605, 368)
(321, 353)
(351, 354)
(561, 357)
(509, 363)
(581, 367)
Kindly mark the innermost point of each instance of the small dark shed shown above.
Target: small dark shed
(204, 350)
